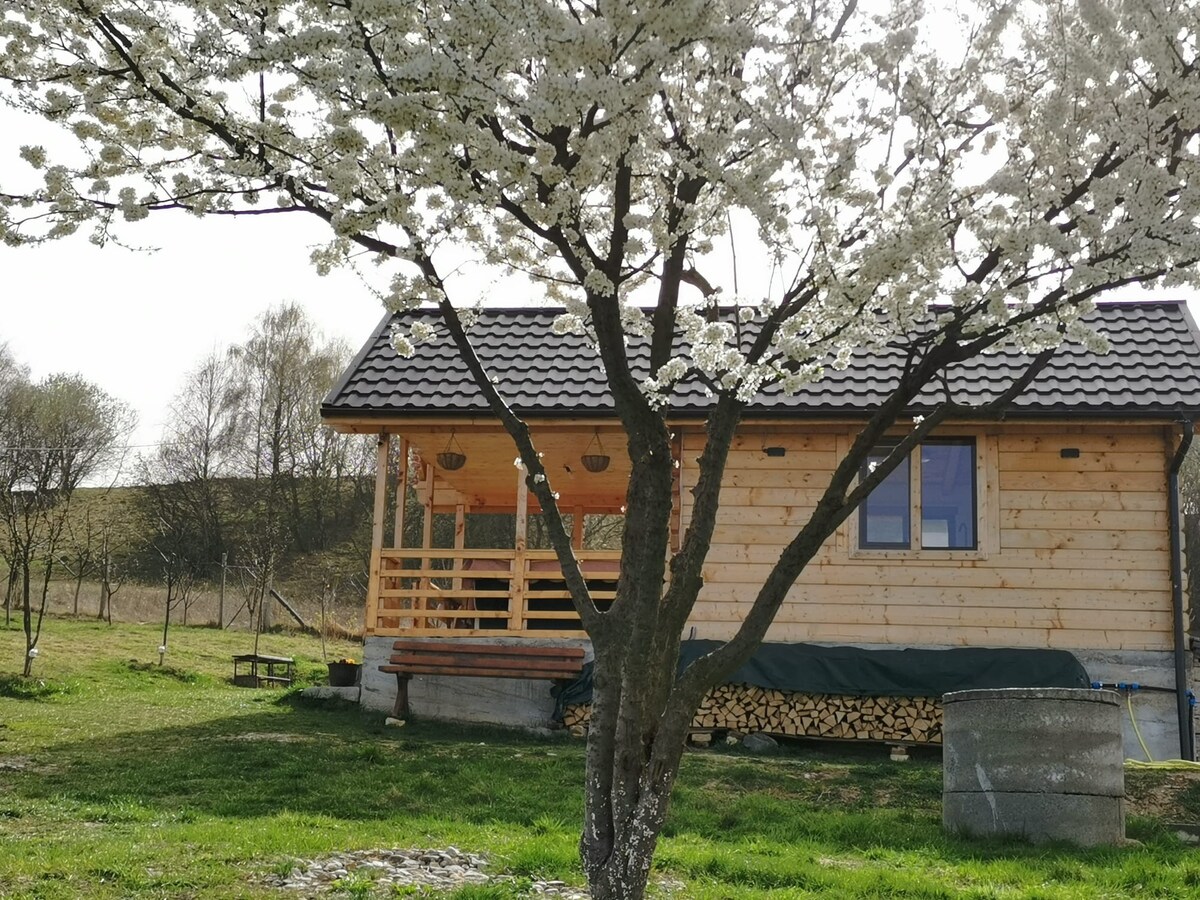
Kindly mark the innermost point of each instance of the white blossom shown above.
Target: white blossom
(35, 156)
(567, 323)
(898, 171)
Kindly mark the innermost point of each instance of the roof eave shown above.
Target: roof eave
(1166, 414)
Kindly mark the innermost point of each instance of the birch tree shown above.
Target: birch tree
(939, 182)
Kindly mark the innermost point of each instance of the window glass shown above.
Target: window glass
(884, 517)
(948, 495)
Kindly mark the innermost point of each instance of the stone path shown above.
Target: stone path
(440, 870)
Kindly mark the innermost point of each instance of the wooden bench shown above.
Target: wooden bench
(411, 658)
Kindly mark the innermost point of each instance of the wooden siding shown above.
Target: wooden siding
(1073, 551)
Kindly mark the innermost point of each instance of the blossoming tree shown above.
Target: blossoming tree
(941, 184)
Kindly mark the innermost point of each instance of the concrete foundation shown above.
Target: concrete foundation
(518, 702)
(528, 703)
(1155, 711)
(1039, 763)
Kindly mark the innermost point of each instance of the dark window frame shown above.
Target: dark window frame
(975, 499)
(916, 500)
(882, 449)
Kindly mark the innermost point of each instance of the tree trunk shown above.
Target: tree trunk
(637, 736)
(78, 585)
(26, 618)
(617, 857)
(105, 580)
(266, 618)
(166, 622)
(9, 591)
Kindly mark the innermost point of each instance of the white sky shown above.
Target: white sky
(135, 322)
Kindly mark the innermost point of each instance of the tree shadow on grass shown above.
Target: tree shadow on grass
(332, 763)
(336, 763)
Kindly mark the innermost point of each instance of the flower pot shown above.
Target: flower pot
(344, 674)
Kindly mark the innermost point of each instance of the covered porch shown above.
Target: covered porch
(476, 562)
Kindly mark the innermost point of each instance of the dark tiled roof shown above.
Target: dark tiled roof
(1152, 369)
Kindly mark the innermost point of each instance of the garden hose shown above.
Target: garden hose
(1136, 730)
(1149, 762)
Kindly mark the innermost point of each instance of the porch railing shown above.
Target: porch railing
(484, 593)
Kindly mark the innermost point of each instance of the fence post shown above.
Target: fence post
(221, 596)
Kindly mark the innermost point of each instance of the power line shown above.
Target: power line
(87, 446)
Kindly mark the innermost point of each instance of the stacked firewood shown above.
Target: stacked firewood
(745, 708)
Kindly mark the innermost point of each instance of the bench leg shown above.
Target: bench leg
(400, 710)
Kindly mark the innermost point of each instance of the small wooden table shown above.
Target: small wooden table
(278, 670)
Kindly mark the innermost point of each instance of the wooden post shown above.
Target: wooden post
(460, 536)
(516, 612)
(426, 545)
(373, 581)
(401, 496)
(221, 596)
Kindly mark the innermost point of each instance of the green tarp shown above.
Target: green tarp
(814, 669)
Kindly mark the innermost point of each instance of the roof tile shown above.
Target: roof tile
(1152, 369)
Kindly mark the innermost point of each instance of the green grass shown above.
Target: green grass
(119, 778)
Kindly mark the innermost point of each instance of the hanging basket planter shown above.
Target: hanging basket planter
(595, 460)
(452, 457)
(451, 461)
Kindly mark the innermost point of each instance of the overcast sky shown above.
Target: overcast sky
(136, 322)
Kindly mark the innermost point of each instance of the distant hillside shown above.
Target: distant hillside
(130, 519)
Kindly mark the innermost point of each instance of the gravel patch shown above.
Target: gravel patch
(440, 870)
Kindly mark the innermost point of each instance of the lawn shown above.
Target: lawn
(121, 778)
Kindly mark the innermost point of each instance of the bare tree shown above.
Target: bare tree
(112, 577)
(12, 374)
(196, 453)
(58, 432)
(178, 577)
(81, 556)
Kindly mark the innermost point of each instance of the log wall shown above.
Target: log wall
(1073, 551)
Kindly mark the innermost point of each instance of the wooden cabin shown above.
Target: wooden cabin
(1052, 529)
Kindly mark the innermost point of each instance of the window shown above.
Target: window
(936, 488)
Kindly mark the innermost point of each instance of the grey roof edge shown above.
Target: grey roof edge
(1142, 413)
(352, 367)
(1190, 321)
